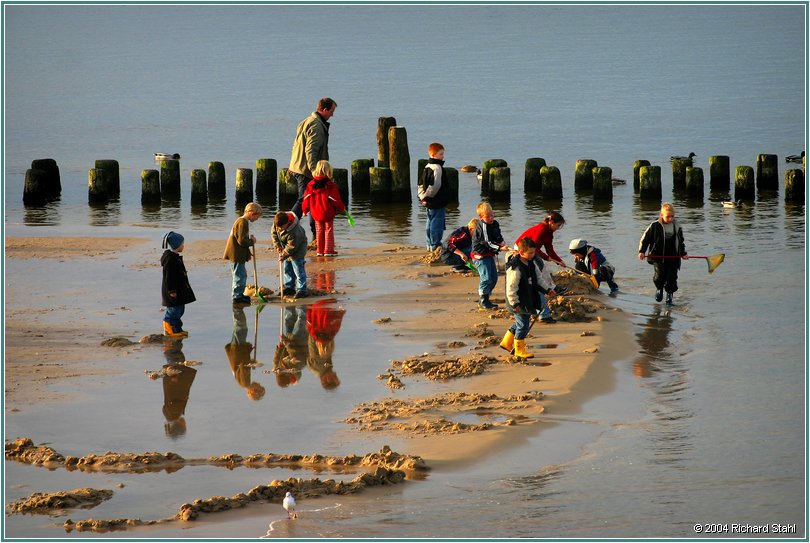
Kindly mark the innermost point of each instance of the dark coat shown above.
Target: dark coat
(653, 240)
(430, 189)
(175, 279)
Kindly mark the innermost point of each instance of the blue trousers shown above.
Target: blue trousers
(174, 315)
(295, 274)
(521, 326)
(239, 279)
(488, 272)
(302, 181)
(434, 229)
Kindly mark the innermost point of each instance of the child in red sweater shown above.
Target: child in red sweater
(322, 200)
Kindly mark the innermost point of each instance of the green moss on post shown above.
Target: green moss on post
(111, 171)
(486, 183)
(244, 186)
(400, 161)
(794, 185)
(341, 179)
(501, 183)
(216, 180)
(650, 183)
(767, 172)
(583, 174)
(694, 182)
(531, 177)
(551, 183)
(360, 179)
(679, 173)
(53, 183)
(287, 188)
(266, 173)
(35, 192)
(602, 184)
(744, 188)
(636, 173)
(150, 187)
(380, 184)
(97, 186)
(452, 185)
(170, 178)
(199, 190)
(719, 173)
(384, 124)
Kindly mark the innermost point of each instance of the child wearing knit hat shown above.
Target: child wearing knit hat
(175, 290)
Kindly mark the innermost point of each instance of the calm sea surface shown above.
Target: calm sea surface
(706, 423)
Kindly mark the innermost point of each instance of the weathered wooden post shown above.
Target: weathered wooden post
(360, 178)
(501, 182)
(380, 184)
(583, 174)
(719, 173)
(551, 183)
(244, 186)
(452, 185)
(199, 190)
(636, 170)
(794, 185)
(400, 161)
(341, 179)
(266, 172)
(216, 180)
(36, 190)
(679, 166)
(650, 183)
(384, 125)
(170, 178)
(111, 172)
(287, 187)
(744, 188)
(767, 172)
(694, 182)
(150, 187)
(602, 184)
(531, 179)
(486, 182)
(97, 186)
(52, 183)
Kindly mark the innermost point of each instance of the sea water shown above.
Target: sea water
(705, 424)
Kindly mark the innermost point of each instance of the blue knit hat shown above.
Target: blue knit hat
(172, 240)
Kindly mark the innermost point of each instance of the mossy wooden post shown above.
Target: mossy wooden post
(150, 187)
(111, 172)
(602, 184)
(199, 190)
(216, 180)
(266, 173)
(650, 183)
(360, 179)
(36, 192)
(341, 179)
(694, 182)
(501, 183)
(744, 188)
(384, 124)
(380, 184)
(531, 178)
(97, 186)
(244, 186)
(170, 178)
(452, 185)
(719, 173)
(583, 174)
(636, 174)
(767, 172)
(400, 162)
(53, 183)
(794, 185)
(679, 173)
(551, 183)
(287, 188)
(486, 183)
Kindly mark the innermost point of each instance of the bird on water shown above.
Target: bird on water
(167, 156)
(794, 158)
(676, 157)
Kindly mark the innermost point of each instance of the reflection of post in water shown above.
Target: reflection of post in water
(396, 216)
(653, 341)
(323, 324)
(105, 213)
(291, 352)
(176, 388)
(238, 352)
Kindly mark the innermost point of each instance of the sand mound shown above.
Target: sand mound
(570, 309)
(47, 503)
(437, 367)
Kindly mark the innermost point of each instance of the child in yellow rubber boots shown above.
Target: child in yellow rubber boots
(525, 281)
(175, 290)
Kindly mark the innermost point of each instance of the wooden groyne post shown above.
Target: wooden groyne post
(583, 174)
(602, 184)
(216, 180)
(400, 163)
(636, 174)
(532, 182)
(199, 189)
(150, 187)
(97, 186)
(53, 182)
(170, 178)
(384, 124)
(380, 184)
(360, 177)
(650, 183)
(694, 182)
(486, 182)
(452, 185)
(266, 173)
(341, 179)
(36, 191)
(719, 173)
(287, 187)
(111, 171)
(244, 186)
(679, 166)
(767, 172)
(500, 179)
(794, 185)
(744, 188)
(551, 183)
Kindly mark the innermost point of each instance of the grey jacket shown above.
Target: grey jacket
(292, 240)
(311, 145)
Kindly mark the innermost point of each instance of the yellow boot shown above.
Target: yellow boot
(508, 341)
(520, 349)
(168, 331)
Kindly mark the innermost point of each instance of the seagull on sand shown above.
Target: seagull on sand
(289, 505)
(689, 158)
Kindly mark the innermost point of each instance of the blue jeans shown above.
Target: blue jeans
(435, 227)
(302, 181)
(173, 316)
(239, 279)
(521, 326)
(295, 274)
(545, 312)
(452, 259)
(488, 272)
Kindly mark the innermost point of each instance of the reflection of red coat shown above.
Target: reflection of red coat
(323, 321)
(322, 199)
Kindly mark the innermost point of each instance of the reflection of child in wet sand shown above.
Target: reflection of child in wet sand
(291, 352)
(238, 352)
(176, 388)
(175, 290)
(323, 324)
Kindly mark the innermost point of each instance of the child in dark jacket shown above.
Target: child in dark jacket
(588, 259)
(664, 241)
(457, 246)
(291, 243)
(322, 200)
(175, 290)
(432, 190)
(487, 241)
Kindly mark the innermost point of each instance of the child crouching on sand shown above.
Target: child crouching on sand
(487, 241)
(291, 243)
(588, 259)
(525, 281)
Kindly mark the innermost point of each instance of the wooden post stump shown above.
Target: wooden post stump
(199, 190)
(602, 184)
(500, 179)
(384, 124)
(679, 173)
(97, 186)
(452, 185)
(719, 173)
(380, 184)
(360, 179)
(583, 174)
(650, 183)
(794, 186)
(694, 182)
(111, 172)
(244, 186)
(532, 181)
(36, 191)
(551, 183)
(767, 172)
(170, 178)
(486, 182)
(400, 161)
(53, 183)
(341, 179)
(636, 174)
(266, 173)
(744, 188)
(287, 187)
(150, 187)
(216, 180)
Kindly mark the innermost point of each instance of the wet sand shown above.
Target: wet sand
(490, 400)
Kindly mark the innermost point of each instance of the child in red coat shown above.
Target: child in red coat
(322, 200)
